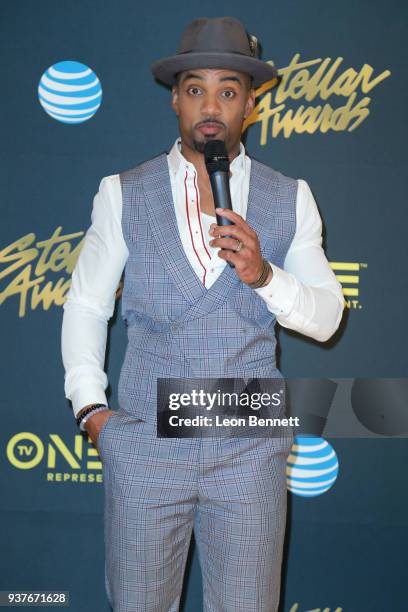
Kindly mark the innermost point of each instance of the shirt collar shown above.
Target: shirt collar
(177, 160)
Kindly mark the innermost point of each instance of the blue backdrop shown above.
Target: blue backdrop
(338, 121)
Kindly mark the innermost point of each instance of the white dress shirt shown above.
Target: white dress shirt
(304, 296)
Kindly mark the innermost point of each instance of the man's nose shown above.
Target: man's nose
(211, 106)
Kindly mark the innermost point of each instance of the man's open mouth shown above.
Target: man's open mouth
(209, 129)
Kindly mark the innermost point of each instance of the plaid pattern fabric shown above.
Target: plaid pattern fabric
(176, 326)
(230, 491)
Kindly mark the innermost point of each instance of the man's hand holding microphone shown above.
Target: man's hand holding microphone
(238, 242)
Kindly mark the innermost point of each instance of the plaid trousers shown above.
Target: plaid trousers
(230, 491)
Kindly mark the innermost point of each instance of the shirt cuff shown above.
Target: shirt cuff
(280, 293)
(87, 394)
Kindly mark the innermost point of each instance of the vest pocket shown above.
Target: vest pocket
(262, 362)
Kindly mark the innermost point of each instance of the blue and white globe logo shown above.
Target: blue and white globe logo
(70, 92)
(312, 466)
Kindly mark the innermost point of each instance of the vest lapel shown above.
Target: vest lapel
(163, 223)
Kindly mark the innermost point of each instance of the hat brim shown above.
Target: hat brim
(165, 69)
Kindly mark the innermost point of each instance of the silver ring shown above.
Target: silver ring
(239, 247)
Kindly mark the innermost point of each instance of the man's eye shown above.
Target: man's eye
(229, 91)
(193, 90)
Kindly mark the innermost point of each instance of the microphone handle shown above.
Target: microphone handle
(222, 199)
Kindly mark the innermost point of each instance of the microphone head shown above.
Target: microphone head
(216, 156)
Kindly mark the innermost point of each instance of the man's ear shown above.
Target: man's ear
(174, 99)
(250, 103)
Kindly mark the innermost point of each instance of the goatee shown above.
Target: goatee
(199, 146)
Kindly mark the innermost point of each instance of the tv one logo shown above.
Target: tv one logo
(79, 463)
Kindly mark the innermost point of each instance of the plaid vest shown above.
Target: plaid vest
(176, 326)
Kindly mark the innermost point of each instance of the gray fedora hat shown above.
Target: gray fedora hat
(218, 42)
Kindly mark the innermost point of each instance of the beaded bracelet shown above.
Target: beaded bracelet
(86, 412)
(84, 420)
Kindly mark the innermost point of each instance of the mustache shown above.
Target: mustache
(212, 121)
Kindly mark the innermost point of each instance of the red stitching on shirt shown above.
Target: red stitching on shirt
(191, 233)
(198, 213)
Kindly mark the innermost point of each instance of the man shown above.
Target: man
(189, 314)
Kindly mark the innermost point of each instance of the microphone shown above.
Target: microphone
(217, 164)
